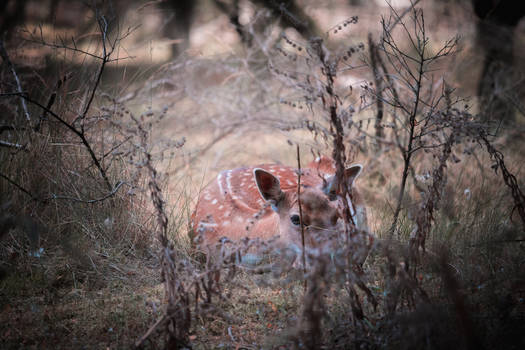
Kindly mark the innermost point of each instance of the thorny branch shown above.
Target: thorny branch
(407, 151)
(80, 133)
(509, 179)
(378, 84)
(433, 197)
(336, 127)
(177, 318)
(301, 213)
(90, 201)
(18, 186)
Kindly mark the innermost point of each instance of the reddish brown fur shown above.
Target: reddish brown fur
(232, 206)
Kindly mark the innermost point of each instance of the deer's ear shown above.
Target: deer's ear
(268, 185)
(352, 172)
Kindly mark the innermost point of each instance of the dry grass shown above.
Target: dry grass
(63, 307)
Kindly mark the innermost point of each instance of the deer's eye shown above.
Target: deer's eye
(295, 219)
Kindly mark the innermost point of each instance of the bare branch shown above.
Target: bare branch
(5, 57)
(301, 213)
(11, 145)
(77, 132)
(89, 201)
(18, 186)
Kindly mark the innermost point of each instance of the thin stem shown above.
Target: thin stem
(5, 57)
(18, 186)
(77, 132)
(407, 154)
(301, 214)
(90, 201)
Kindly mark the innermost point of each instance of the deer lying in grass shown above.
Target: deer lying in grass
(262, 202)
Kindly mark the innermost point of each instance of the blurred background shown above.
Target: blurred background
(157, 33)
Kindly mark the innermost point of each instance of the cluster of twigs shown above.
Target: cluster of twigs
(177, 316)
(34, 153)
(412, 116)
(331, 103)
(80, 126)
(509, 179)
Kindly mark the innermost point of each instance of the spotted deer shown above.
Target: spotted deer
(262, 202)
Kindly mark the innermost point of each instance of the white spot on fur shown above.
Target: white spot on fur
(219, 177)
(228, 181)
(214, 201)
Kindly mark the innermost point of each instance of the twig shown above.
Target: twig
(378, 84)
(90, 201)
(408, 152)
(178, 316)
(399, 17)
(5, 57)
(18, 186)
(508, 177)
(103, 24)
(63, 46)
(11, 145)
(51, 101)
(77, 132)
(336, 127)
(434, 193)
(53, 196)
(75, 49)
(160, 322)
(301, 213)
(117, 146)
